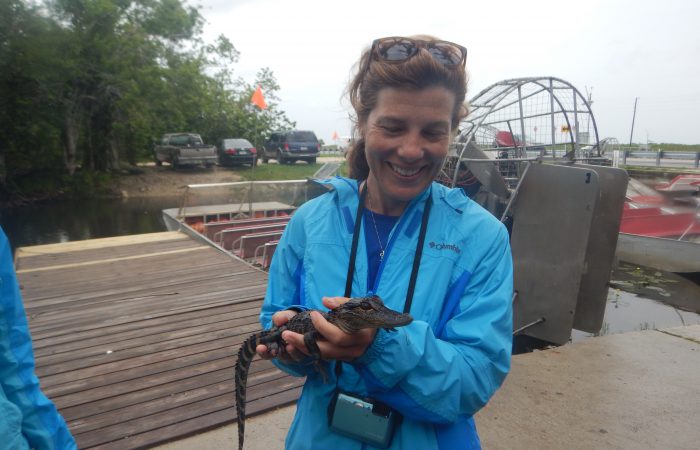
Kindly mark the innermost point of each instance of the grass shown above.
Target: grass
(297, 171)
(676, 147)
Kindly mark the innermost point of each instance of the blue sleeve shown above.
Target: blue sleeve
(450, 372)
(285, 286)
(35, 416)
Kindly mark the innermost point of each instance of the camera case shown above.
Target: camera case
(364, 419)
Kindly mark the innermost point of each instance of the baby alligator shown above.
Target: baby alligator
(351, 316)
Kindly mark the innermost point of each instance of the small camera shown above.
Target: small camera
(364, 419)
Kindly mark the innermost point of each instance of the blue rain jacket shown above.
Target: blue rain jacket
(27, 418)
(444, 366)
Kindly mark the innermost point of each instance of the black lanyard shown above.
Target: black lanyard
(416, 258)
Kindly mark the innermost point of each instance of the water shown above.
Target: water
(627, 311)
(640, 298)
(83, 219)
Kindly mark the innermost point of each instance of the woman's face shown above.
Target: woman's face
(407, 136)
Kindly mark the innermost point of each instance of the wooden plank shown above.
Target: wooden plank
(82, 350)
(48, 332)
(100, 288)
(150, 329)
(105, 261)
(176, 396)
(200, 424)
(121, 392)
(133, 426)
(135, 339)
(101, 243)
(104, 400)
(170, 296)
(222, 391)
(140, 356)
(40, 259)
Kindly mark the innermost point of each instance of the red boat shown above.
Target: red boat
(656, 232)
(682, 184)
(655, 221)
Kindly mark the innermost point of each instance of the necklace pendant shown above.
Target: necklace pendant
(381, 255)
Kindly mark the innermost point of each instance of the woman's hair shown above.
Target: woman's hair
(419, 72)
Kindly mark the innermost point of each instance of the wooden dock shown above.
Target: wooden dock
(135, 337)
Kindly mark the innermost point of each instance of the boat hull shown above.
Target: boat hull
(666, 254)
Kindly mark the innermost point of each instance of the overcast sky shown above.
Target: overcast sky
(617, 50)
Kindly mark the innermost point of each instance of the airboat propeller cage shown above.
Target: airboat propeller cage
(522, 113)
(520, 142)
(523, 119)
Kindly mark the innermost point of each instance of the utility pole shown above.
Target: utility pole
(588, 120)
(633, 116)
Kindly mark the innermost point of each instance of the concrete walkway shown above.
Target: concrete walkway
(624, 391)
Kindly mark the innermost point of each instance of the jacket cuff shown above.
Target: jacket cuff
(373, 351)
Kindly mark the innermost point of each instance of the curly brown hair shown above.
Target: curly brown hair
(420, 72)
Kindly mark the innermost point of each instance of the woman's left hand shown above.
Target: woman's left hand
(336, 344)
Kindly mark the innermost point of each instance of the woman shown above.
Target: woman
(422, 247)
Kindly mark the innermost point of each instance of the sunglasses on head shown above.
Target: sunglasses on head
(398, 49)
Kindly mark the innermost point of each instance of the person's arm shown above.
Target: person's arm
(41, 424)
(284, 294)
(439, 378)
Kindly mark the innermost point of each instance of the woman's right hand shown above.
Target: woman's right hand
(290, 354)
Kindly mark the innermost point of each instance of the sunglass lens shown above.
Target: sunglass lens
(397, 50)
(447, 54)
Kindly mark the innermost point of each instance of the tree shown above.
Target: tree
(88, 84)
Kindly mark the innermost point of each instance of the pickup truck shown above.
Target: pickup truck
(184, 149)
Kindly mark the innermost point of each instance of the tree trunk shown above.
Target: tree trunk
(114, 151)
(71, 130)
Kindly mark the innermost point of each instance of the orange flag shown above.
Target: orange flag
(335, 136)
(258, 99)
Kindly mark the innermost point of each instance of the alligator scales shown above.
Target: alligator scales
(352, 316)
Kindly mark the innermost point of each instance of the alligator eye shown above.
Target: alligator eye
(365, 305)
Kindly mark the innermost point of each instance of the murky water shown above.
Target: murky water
(626, 311)
(83, 219)
(640, 298)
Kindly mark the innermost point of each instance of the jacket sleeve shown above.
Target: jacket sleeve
(439, 375)
(285, 286)
(32, 416)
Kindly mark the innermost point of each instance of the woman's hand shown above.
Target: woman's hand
(292, 354)
(337, 344)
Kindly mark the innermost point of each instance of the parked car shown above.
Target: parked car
(184, 149)
(234, 151)
(289, 146)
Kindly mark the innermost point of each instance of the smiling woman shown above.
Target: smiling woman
(423, 248)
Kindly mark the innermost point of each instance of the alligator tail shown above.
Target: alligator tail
(245, 357)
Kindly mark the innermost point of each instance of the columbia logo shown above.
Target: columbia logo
(443, 246)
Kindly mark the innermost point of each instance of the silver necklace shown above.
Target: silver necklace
(376, 230)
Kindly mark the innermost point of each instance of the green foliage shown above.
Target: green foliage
(676, 147)
(297, 171)
(85, 183)
(89, 84)
(48, 183)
